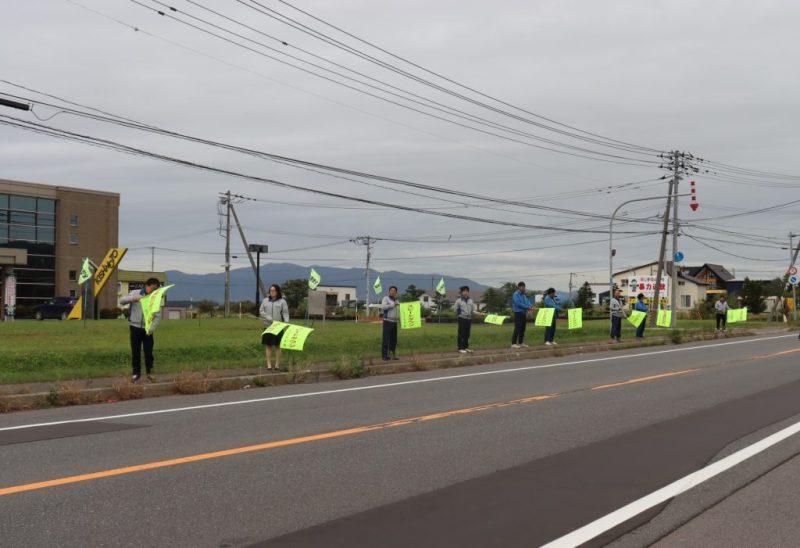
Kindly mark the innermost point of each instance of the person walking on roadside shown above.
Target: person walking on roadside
(391, 315)
(551, 301)
(721, 307)
(464, 309)
(274, 308)
(617, 312)
(520, 305)
(641, 306)
(140, 337)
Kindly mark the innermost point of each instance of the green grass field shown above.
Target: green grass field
(53, 350)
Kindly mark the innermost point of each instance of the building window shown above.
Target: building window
(22, 203)
(681, 283)
(73, 275)
(73, 239)
(686, 301)
(73, 220)
(72, 293)
(347, 296)
(623, 282)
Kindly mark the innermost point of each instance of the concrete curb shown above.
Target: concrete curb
(64, 393)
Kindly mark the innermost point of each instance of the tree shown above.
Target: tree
(411, 294)
(494, 300)
(295, 291)
(207, 306)
(752, 296)
(585, 297)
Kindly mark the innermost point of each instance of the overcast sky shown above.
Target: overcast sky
(717, 79)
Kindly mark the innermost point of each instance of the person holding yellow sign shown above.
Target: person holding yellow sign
(464, 309)
(141, 338)
(391, 316)
(273, 309)
(520, 305)
(551, 301)
(617, 312)
(641, 307)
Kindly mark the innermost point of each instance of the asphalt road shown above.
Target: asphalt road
(499, 455)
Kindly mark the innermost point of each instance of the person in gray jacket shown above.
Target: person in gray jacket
(140, 338)
(391, 315)
(464, 309)
(617, 311)
(273, 308)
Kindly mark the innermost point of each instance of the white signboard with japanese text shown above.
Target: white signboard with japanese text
(647, 285)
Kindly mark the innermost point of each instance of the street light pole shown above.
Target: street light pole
(611, 238)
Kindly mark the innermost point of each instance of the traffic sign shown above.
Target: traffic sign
(792, 270)
(794, 279)
(679, 256)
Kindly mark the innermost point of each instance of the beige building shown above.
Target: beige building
(640, 279)
(45, 233)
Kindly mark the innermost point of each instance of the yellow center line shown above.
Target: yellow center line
(775, 354)
(303, 439)
(645, 379)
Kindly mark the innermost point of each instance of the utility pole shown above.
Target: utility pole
(571, 274)
(152, 259)
(226, 200)
(256, 269)
(367, 241)
(657, 290)
(792, 259)
(676, 178)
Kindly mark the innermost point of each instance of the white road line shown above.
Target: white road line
(392, 384)
(617, 517)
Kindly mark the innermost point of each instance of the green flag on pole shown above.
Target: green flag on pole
(86, 271)
(313, 279)
(377, 286)
(440, 288)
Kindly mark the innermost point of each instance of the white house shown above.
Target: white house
(337, 295)
(641, 279)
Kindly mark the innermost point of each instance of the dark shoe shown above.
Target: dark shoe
(150, 378)
(134, 378)
(385, 358)
(395, 357)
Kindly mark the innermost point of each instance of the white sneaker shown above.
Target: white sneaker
(469, 350)
(548, 343)
(462, 351)
(555, 343)
(515, 346)
(523, 345)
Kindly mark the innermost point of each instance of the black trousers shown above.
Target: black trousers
(519, 327)
(389, 342)
(616, 327)
(139, 340)
(722, 319)
(640, 329)
(464, 328)
(550, 331)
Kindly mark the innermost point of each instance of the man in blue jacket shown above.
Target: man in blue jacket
(551, 301)
(520, 305)
(641, 306)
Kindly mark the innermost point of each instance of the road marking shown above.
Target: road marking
(645, 379)
(392, 384)
(266, 446)
(775, 354)
(617, 517)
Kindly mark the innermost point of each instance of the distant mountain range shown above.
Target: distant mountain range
(196, 287)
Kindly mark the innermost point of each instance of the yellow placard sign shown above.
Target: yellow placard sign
(637, 317)
(575, 318)
(151, 305)
(107, 267)
(544, 318)
(410, 316)
(275, 328)
(664, 318)
(495, 319)
(295, 337)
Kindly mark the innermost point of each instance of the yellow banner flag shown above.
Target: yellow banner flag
(313, 279)
(275, 328)
(544, 318)
(86, 272)
(294, 338)
(107, 267)
(743, 314)
(495, 319)
(575, 318)
(664, 318)
(151, 305)
(440, 288)
(410, 315)
(637, 317)
(732, 316)
(377, 286)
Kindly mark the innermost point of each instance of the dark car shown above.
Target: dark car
(59, 308)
